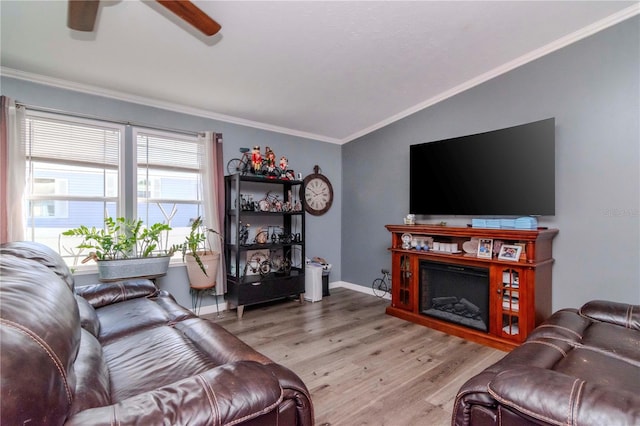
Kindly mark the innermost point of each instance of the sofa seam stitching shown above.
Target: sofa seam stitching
(520, 408)
(122, 291)
(571, 402)
(50, 353)
(259, 412)
(561, 328)
(211, 397)
(577, 401)
(556, 347)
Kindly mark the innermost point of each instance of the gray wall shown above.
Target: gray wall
(323, 233)
(592, 88)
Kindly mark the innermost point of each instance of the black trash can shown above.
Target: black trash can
(325, 283)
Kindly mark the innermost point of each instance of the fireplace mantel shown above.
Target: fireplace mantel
(519, 291)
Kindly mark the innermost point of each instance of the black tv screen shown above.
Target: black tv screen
(507, 172)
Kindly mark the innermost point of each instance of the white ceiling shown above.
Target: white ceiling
(323, 69)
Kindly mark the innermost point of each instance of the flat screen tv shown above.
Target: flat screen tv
(506, 172)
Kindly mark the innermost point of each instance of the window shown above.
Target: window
(49, 188)
(72, 169)
(79, 172)
(169, 183)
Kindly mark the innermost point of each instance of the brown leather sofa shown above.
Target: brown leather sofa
(580, 367)
(125, 353)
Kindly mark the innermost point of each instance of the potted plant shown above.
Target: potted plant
(125, 248)
(201, 260)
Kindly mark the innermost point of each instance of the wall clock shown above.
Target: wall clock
(317, 193)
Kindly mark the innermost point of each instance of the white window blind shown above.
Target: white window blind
(169, 180)
(59, 140)
(77, 172)
(72, 169)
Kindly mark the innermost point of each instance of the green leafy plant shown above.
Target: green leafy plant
(196, 243)
(121, 238)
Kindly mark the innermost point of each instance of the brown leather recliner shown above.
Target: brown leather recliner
(125, 353)
(580, 367)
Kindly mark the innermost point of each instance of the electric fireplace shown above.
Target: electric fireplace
(455, 293)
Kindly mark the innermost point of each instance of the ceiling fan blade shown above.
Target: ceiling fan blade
(81, 14)
(193, 15)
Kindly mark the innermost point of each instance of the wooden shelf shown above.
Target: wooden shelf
(247, 289)
(507, 328)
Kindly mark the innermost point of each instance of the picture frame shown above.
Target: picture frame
(254, 260)
(510, 252)
(485, 248)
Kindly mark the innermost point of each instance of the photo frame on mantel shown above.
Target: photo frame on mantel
(510, 252)
(485, 248)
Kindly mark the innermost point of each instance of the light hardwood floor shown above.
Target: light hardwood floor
(363, 367)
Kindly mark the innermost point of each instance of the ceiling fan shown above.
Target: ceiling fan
(82, 15)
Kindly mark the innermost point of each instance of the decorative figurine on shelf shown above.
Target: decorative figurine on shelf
(256, 159)
(243, 234)
(287, 206)
(283, 165)
(270, 160)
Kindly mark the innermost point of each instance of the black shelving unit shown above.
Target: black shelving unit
(282, 275)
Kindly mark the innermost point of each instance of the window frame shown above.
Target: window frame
(126, 199)
(164, 134)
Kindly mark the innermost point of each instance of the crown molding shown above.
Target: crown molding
(141, 100)
(509, 66)
(574, 37)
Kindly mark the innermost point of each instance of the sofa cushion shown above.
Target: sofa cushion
(168, 303)
(92, 375)
(614, 341)
(623, 314)
(230, 394)
(220, 345)
(556, 398)
(109, 293)
(88, 316)
(562, 325)
(129, 317)
(42, 254)
(163, 351)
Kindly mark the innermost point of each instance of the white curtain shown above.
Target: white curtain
(213, 197)
(13, 170)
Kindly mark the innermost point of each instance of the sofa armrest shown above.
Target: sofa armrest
(294, 390)
(622, 314)
(557, 398)
(103, 294)
(473, 393)
(227, 394)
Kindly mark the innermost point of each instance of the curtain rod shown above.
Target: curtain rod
(107, 120)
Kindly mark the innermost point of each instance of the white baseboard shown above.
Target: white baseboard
(356, 287)
(222, 306)
(211, 309)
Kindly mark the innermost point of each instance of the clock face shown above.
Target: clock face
(318, 194)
